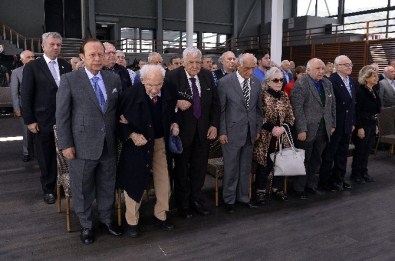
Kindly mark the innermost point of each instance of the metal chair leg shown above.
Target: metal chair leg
(216, 191)
(285, 184)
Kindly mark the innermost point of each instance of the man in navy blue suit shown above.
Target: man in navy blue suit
(334, 158)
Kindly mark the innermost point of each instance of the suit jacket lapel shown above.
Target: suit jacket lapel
(47, 72)
(237, 87)
(314, 90)
(88, 88)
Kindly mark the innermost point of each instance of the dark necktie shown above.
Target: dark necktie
(246, 92)
(154, 100)
(98, 92)
(197, 110)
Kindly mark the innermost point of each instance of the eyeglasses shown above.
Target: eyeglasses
(275, 80)
(346, 64)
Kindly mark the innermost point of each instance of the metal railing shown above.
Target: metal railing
(21, 42)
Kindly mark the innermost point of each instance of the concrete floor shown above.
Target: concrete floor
(352, 225)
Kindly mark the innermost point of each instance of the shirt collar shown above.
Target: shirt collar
(91, 75)
(240, 78)
(315, 81)
(188, 76)
(47, 59)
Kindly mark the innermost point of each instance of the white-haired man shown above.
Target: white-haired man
(198, 117)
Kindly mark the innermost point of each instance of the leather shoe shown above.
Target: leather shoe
(249, 205)
(230, 209)
(26, 158)
(368, 178)
(301, 195)
(346, 186)
(314, 191)
(86, 236)
(358, 179)
(164, 224)
(185, 213)
(200, 209)
(49, 198)
(133, 231)
(111, 229)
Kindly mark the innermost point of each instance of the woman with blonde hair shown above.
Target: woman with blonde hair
(277, 113)
(367, 108)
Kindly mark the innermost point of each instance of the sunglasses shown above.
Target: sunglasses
(275, 80)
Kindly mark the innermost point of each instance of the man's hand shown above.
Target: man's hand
(138, 139)
(17, 114)
(174, 129)
(212, 133)
(123, 120)
(33, 127)
(302, 136)
(332, 130)
(183, 105)
(69, 153)
(361, 133)
(257, 136)
(223, 139)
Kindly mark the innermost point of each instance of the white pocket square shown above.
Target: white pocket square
(114, 90)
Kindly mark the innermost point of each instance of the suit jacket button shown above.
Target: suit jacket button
(148, 151)
(147, 165)
(149, 125)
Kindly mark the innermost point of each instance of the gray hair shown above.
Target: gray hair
(311, 61)
(151, 55)
(340, 57)
(193, 51)
(366, 72)
(108, 44)
(149, 68)
(269, 76)
(120, 51)
(45, 36)
(243, 56)
(23, 54)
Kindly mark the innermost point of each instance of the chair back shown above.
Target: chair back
(387, 121)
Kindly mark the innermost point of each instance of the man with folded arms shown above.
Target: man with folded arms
(86, 122)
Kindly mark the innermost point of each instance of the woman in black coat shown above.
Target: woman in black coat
(366, 109)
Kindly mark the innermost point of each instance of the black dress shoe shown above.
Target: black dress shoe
(368, 178)
(280, 195)
(314, 191)
(164, 224)
(49, 198)
(86, 236)
(249, 204)
(185, 213)
(111, 229)
(230, 208)
(133, 231)
(346, 186)
(357, 179)
(200, 209)
(301, 195)
(26, 158)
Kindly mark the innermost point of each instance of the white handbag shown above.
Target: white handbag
(288, 161)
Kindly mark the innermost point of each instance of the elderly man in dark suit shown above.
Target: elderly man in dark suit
(334, 158)
(148, 108)
(41, 79)
(387, 87)
(240, 124)
(15, 85)
(86, 121)
(198, 119)
(314, 106)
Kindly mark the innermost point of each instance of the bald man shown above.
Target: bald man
(15, 85)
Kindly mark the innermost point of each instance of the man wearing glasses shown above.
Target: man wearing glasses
(111, 65)
(334, 158)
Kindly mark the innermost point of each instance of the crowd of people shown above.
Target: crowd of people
(118, 128)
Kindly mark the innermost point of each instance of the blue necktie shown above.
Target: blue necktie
(98, 92)
(197, 110)
(51, 66)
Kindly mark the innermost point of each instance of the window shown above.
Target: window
(324, 7)
(136, 40)
(351, 6)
